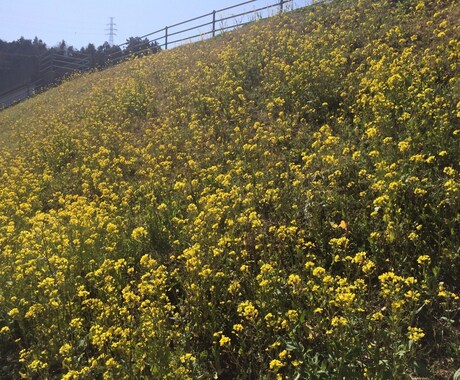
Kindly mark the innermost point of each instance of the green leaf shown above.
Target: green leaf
(420, 308)
(323, 366)
(421, 369)
(457, 374)
(448, 320)
(290, 346)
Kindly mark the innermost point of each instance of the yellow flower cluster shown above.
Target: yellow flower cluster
(279, 202)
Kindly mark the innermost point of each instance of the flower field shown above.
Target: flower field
(279, 202)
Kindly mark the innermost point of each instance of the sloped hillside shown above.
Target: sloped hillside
(280, 202)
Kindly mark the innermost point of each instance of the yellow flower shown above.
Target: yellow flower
(339, 321)
(187, 358)
(318, 271)
(294, 280)
(356, 155)
(371, 132)
(377, 316)
(420, 5)
(266, 268)
(234, 287)
(449, 171)
(179, 185)
(292, 315)
(403, 146)
(162, 207)
(359, 257)
(237, 328)
(224, 341)
(276, 365)
(76, 323)
(412, 295)
(37, 365)
(244, 268)
(191, 208)
(13, 313)
(111, 362)
(81, 292)
(139, 233)
(283, 354)
(415, 333)
(65, 349)
(111, 228)
(424, 260)
(247, 310)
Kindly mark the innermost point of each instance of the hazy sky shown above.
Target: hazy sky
(80, 22)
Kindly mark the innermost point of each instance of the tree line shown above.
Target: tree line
(27, 62)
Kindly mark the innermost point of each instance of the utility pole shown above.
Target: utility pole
(111, 30)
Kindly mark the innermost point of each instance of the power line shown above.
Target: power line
(111, 30)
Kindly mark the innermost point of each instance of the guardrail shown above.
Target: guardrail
(16, 95)
(201, 27)
(54, 67)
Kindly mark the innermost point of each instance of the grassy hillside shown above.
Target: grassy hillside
(280, 202)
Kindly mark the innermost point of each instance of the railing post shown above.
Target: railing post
(213, 23)
(166, 38)
(281, 5)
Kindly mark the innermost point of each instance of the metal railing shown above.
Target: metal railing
(52, 67)
(201, 27)
(16, 95)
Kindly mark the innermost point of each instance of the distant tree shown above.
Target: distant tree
(62, 47)
(91, 51)
(23, 45)
(107, 53)
(136, 45)
(39, 46)
(18, 64)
